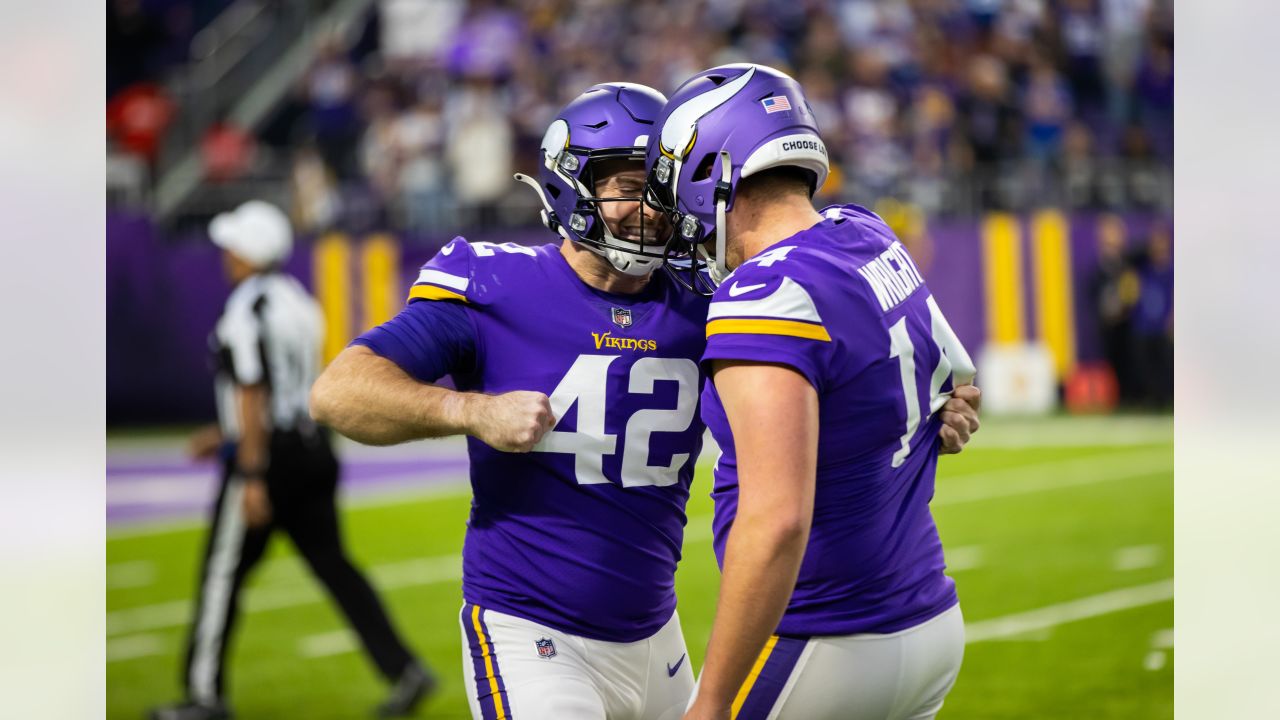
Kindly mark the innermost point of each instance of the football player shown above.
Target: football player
(576, 368)
(832, 371)
(577, 383)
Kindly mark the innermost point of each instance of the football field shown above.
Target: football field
(1059, 534)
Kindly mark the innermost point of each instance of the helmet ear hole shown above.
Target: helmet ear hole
(703, 170)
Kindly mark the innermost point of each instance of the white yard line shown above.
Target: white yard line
(132, 574)
(1067, 612)
(965, 557)
(327, 644)
(1162, 639)
(1161, 644)
(1136, 557)
(134, 646)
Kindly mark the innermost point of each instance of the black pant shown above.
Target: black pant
(302, 483)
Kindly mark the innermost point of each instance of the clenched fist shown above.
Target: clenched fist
(511, 422)
(959, 418)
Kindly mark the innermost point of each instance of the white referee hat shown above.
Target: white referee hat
(257, 232)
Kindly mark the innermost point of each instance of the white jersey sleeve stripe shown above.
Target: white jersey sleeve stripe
(789, 302)
(444, 279)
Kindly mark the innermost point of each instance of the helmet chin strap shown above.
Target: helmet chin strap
(715, 266)
(547, 213)
(627, 263)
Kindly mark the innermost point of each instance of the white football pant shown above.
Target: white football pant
(899, 676)
(520, 669)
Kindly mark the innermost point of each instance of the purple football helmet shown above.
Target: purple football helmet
(609, 121)
(720, 126)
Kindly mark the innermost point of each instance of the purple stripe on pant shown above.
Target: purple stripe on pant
(493, 706)
(772, 679)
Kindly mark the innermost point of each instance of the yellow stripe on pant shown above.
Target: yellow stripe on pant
(1002, 279)
(490, 675)
(1055, 304)
(754, 675)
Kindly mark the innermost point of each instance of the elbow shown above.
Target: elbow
(791, 532)
(786, 530)
(321, 401)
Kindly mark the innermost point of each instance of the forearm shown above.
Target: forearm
(773, 413)
(371, 400)
(762, 561)
(253, 445)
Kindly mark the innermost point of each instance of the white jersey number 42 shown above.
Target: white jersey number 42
(585, 384)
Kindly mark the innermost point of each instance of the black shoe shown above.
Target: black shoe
(414, 685)
(191, 711)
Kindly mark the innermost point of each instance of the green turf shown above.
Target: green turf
(1045, 522)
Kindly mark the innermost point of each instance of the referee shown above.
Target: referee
(279, 471)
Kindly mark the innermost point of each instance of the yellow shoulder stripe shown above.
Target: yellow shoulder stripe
(431, 292)
(791, 328)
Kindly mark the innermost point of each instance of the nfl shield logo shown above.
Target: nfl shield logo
(622, 317)
(546, 648)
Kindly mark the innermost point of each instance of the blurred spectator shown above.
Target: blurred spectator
(132, 38)
(420, 140)
(1082, 41)
(1124, 23)
(478, 150)
(932, 137)
(330, 91)
(821, 49)
(418, 30)
(486, 43)
(991, 126)
(227, 151)
(1079, 168)
(1046, 107)
(1153, 322)
(137, 118)
(316, 203)
(872, 110)
(1143, 178)
(1114, 291)
(378, 149)
(1154, 91)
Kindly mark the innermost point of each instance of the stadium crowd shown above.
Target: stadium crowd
(1131, 292)
(954, 106)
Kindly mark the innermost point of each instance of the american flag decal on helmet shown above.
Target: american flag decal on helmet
(622, 317)
(777, 103)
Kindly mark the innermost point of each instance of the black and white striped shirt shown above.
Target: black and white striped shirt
(270, 332)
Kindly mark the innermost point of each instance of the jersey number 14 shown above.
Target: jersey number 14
(952, 360)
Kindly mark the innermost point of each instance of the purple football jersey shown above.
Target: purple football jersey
(583, 534)
(844, 305)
